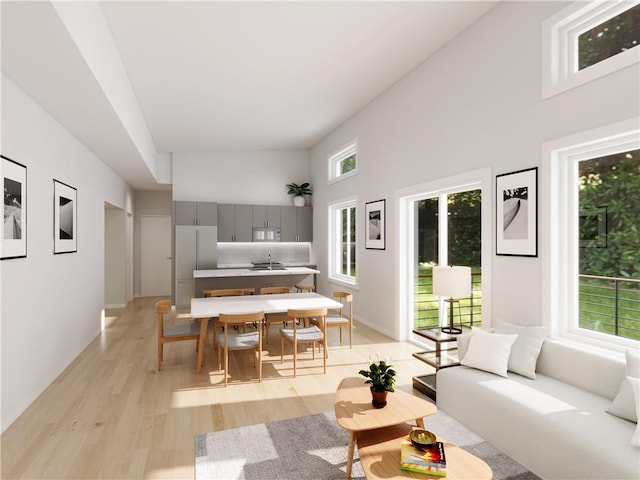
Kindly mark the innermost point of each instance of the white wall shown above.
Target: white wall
(476, 103)
(252, 177)
(51, 304)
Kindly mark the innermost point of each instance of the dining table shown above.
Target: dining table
(203, 309)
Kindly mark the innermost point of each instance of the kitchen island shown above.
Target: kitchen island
(249, 277)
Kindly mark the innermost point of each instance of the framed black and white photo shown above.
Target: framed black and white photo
(374, 229)
(14, 225)
(65, 214)
(517, 213)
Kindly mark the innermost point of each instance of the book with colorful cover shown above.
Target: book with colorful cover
(430, 460)
(426, 469)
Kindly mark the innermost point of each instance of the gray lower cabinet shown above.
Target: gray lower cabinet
(195, 249)
(296, 224)
(235, 223)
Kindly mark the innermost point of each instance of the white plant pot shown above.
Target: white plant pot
(298, 201)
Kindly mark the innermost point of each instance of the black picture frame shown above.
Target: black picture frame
(375, 225)
(14, 224)
(517, 213)
(65, 218)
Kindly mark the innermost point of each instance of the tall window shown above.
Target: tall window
(343, 163)
(588, 40)
(593, 272)
(342, 241)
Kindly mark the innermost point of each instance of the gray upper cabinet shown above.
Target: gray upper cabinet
(296, 224)
(196, 213)
(235, 223)
(266, 216)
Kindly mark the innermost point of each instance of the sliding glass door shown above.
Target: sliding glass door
(447, 231)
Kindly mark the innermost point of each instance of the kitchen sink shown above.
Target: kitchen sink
(274, 267)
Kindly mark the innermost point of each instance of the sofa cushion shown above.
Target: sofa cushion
(594, 372)
(635, 386)
(526, 348)
(489, 351)
(624, 405)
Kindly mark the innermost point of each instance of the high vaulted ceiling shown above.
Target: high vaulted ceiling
(216, 76)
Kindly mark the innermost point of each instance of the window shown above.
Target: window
(443, 223)
(588, 40)
(343, 163)
(593, 277)
(342, 241)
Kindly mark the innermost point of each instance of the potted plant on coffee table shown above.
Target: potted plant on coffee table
(298, 192)
(381, 376)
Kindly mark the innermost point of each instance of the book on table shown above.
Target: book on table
(430, 460)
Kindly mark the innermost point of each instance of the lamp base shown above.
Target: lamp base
(452, 330)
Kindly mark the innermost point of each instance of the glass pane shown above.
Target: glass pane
(614, 36)
(352, 245)
(347, 164)
(426, 248)
(464, 243)
(609, 240)
(344, 228)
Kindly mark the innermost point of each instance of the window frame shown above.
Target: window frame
(334, 258)
(338, 156)
(560, 34)
(559, 204)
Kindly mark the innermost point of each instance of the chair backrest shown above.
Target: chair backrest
(249, 291)
(162, 307)
(270, 290)
(224, 292)
(346, 299)
(301, 313)
(241, 318)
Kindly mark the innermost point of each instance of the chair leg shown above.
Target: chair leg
(226, 364)
(295, 357)
(281, 349)
(160, 353)
(350, 336)
(340, 335)
(324, 357)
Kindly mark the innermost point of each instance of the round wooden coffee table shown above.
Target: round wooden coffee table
(379, 452)
(355, 413)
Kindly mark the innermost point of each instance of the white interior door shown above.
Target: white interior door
(155, 255)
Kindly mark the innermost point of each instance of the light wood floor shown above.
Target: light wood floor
(111, 414)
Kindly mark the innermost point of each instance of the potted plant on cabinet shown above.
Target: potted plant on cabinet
(381, 376)
(298, 192)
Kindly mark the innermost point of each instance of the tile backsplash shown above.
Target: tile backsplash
(230, 254)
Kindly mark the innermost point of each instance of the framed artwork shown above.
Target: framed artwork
(14, 225)
(374, 228)
(65, 218)
(517, 213)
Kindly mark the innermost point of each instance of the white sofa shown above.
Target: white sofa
(556, 425)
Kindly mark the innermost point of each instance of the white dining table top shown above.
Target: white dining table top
(276, 303)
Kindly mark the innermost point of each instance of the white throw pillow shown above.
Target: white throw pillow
(525, 350)
(623, 405)
(489, 351)
(635, 386)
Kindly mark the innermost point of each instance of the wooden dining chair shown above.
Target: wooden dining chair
(313, 334)
(274, 317)
(342, 317)
(224, 292)
(173, 333)
(228, 340)
(302, 287)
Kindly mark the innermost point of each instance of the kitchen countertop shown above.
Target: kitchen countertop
(246, 272)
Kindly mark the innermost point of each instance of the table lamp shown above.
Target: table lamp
(452, 283)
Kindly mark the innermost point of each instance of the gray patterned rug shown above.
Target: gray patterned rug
(315, 447)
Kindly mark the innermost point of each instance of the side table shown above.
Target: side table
(437, 356)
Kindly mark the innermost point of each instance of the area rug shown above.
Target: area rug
(315, 447)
